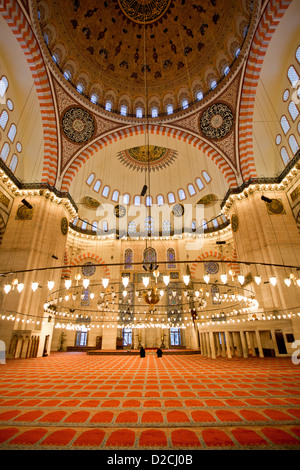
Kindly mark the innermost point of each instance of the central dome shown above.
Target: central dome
(133, 52)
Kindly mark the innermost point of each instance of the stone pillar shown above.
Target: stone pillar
(238, 343)
(31, 239)
(223, 344)
(244, 344)
(260, 350)
(228, 344)
(212, 345)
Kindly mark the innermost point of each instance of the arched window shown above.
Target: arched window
(13, 163)
(199, 95)
(75, 221)
(55, 58)
(80, 88)
(108, 105)
(184, 104)
(3, 85)
(160, 200)
(137, 200)
(94, 98)
(199, 184)
(12, 133)
(128, 259)
(298, 54)
(237, 52)
(171, 198)
(150, 255)
(154, 112)
(132, 228)
(105, 191)
(5, 151)
(115, 196)
(123, 110)
(284, 124)
(284, 155)
(293, 144)
(67, 75)
(139, 112)
(171, 258)
(204, 224)
(169, 109)
(149, 224)
(191, 190)
(148, 201)
(84, 224)
(104, 226)
(213, 84)
(226, 70)
(181, 194)
(292, 75)
(293, 110)
(3, 119)
(126, 199)
(215, 223)
(206, 176)
(166, 229)
(90, 179)
(94, 226)
(97, 186)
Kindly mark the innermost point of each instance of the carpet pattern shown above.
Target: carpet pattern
(74, 401)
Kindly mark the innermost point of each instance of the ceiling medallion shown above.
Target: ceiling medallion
(216, 121)
(208, 200)
(64, 226)
(78, 125)
(234, 222)
(178, 210)
(143, 157)
(144, 11)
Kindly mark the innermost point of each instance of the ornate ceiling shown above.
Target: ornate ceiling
(127, 50)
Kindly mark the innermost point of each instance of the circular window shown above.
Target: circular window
(278, 139)
(10, 104)
(19, 147)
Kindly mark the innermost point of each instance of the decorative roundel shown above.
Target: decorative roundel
(216, 121)
(88, 269)
(234, 223)
(64, 226)
(275, 207)
(24, 213)
(78, 125)
(119, 211)
(178, 210)
(144, 11)
(211, 267)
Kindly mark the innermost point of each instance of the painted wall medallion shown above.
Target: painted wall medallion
(178, 210)
(119, 211)
(88, 269)
(234, 223)
(208, 199)
(144, 157)
(275, 207)
(216, 121)
(64, 225)
(90, 202)
(24, 213)
(211, 267)
(78, 125)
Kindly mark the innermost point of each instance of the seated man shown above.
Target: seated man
(142, 352)
(159, 352)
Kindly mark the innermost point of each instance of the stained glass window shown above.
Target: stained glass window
(12, 132)
(3, 85)
(175, 337)
(13, 163)
(128, 259)
(150, 255)
(171, 258)
(3, 119)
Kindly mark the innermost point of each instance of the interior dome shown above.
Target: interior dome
(125, 51)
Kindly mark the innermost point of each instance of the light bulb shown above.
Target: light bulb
(15, 282)
(125, 281)
(50, 285)
(92, 295)
(20, 287)
(146, 281)
(85, 283)
(197, 293)
(287, 281)
(241, 279)
(257, 280)
(273, 280)
(68, 283)
(206, 278)
(186, 279)
(7, 288)
(166, 280)
(161, 292)
(34, 286)
(224, 278)
(105, 282)
(124, 293)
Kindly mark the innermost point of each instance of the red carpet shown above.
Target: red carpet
(75, 401)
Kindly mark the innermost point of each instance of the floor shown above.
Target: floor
(75, 401)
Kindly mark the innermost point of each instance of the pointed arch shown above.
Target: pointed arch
(87, 257)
